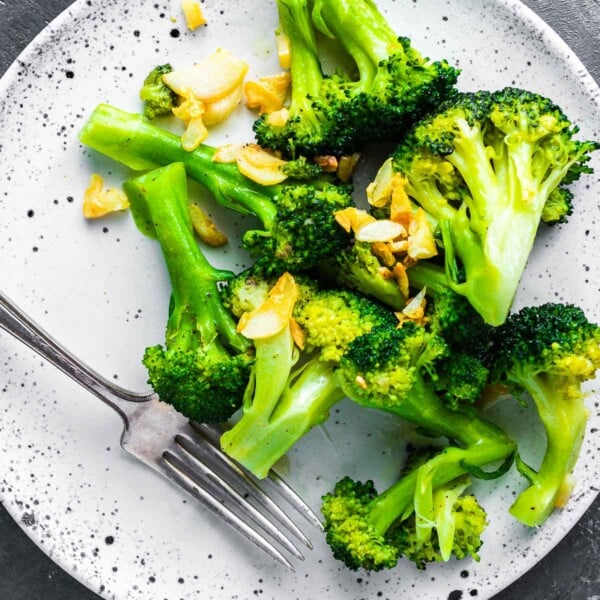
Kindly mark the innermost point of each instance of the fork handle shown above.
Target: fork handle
(16, 322)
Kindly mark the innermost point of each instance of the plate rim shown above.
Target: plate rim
(517, 8)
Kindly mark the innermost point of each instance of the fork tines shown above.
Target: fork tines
(195, 462)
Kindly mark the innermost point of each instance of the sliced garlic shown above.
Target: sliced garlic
(261, 166)
(216, 112)
(379, 191)
(192, 12)
(211, 79)
(283, 49)
(381, 230)
(352, 219)
(227, 153)
(205, 227)
(274, 314)
(421, 243)
(347, 166)
(98, 202)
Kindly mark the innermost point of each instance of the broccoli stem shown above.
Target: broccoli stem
(428, 275)
(424, 408)
(564, 420)
(273, 423)
(399, 501)
(307, 77)
(132, 140)
(194, 280)
(361, 29)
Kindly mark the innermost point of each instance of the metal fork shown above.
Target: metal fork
(188, 454)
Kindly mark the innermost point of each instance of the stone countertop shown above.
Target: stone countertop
(569, 572)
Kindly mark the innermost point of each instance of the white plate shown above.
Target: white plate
(102, 290)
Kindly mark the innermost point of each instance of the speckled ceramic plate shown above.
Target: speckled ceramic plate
(101, 289)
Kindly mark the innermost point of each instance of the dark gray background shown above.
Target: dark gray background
(570, 572)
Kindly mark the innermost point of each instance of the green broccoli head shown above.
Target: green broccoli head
(302, 170)
(203, 367)
(206, 390)
(372, 531)
(484, 165)
(306, 131)
(461, 376)
(382, 367)
(352, 538)
(357, 268)
(549, 351)
(558, 207)
(332, 319)
(158, 98)
(304, 231)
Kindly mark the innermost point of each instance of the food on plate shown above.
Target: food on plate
(402, 307)
(158, 98)
(203, 367)
(483, 167)
(549, 351)
(285, 243)
(339, 113)
(267, 94)
(98, 202)
(371, 531)
(192, 11)
(293, 390)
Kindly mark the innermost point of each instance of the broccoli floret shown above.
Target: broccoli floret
(370, 531)
(548, 351)
(286, 401)
(302, 170)
(357, 268)
(299, 228)
(558, 207)
(203, 368)
(339, 114)
(484, 166)
(463, 374)
(393, 370)
(158, 98)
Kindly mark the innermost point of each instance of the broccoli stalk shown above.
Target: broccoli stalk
(307, 128)
(392, 370)
(203, 368)
(299, 228)
(484, 166)
(287, 400)
(277, 417)
(549, 351)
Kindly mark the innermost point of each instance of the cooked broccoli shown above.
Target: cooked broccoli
(302, 169)
(286, 400)
(393, 370)
(158, 98)
(422, 520)
(558, 207)
(484, 166)
(299, 228)
(357, 268)
(548, 351)
(204, 366)
(462, 376)
(339, 114)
